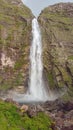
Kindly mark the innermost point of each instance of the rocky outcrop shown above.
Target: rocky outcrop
(60, 112)
(15, 38)
(57, 33)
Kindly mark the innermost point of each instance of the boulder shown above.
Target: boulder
(68, 106)
(32, 111)
(24, 108)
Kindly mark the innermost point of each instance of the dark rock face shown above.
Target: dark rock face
(15, 38)
(57, 33)
(61, 113)
(68, 128)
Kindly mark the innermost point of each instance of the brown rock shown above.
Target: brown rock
(68, 106)
(69, 115)
(32, 111)
(67, 127)
(24, 108)
(60, 114)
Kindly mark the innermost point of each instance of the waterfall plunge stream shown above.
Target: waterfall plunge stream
(37, 91)
(36, 85)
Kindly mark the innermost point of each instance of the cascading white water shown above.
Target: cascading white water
(36, 85)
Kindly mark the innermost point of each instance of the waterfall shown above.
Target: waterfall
(37, 90)
(36, 84)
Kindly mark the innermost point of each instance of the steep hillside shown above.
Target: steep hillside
(57, 33)
(15, 38)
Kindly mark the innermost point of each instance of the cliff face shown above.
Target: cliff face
(15, 38)
(57, 33)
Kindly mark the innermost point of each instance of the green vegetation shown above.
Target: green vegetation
(59, 18)
(40, 122)
(19, 79)
(12, 10)
(19, 64)
(11, 119)
(15, 30)
(57, 31)
(66, 76)
(70, 57)
(68, 96)
(51, 80)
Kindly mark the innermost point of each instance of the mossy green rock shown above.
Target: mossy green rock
(15, 38)
(11, 119)
(57, 33)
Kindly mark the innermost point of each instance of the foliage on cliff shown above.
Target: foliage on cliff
(15, 35)
(57, 32)
(12, 119)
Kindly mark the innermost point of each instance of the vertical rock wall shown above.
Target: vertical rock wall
(57, 33)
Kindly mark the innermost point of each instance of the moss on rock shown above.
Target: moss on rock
(57, 33)
(15, 38)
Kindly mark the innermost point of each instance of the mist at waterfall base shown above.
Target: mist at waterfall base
(37, 91)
